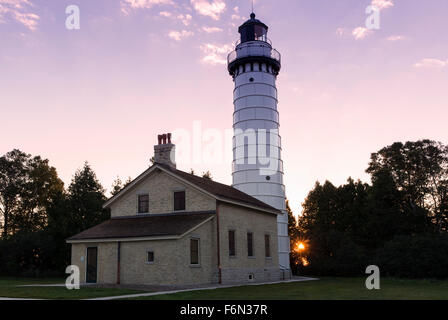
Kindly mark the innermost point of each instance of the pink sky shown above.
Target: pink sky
(137, 68)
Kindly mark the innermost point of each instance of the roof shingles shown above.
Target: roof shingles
(219, 189)
(158, 225)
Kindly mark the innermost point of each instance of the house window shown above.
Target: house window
(267, 245)
(232, 249)
(143, 203)
(250, 244)
(150, 257)
(194, 251)
(179, 200)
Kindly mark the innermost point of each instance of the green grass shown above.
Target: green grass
(326, 288)
(9, 289)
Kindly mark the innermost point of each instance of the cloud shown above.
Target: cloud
(29, 20)
(146, 4)
(186, 19)
(431, 63)
(214, 54)
(211, 9)
(180, 35)
(17, 4)
(165, 14)
(236, 17)
(360, 33)
(395, 38)
(17, 10)
(127, 5)
(211, 29)
(382, 4)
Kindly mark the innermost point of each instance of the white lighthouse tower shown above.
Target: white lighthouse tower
(257, 168)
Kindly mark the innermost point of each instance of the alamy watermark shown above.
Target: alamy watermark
(257, 147)
(373, 281)
(73, 21)
(374, 19)
(72, 281)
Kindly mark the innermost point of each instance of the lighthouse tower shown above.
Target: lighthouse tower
(257, 168)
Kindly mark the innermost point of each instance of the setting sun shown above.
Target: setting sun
(299, 247)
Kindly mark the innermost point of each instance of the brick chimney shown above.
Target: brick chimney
(165, 151)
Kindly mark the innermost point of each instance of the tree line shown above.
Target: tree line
(398, 222)
(37, 213)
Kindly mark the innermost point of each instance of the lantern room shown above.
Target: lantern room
(253, 30)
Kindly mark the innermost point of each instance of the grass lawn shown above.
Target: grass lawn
(326, 288)
(9, 289)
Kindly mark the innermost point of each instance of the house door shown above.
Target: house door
(92, 262)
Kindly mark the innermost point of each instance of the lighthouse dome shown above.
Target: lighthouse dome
(253, 30)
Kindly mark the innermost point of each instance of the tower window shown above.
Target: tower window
(251, 79)
(179, 201)
(143, 203)
(268, 178)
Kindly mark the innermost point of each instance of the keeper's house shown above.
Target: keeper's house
(169, 227)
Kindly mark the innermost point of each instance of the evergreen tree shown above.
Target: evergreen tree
(86, 197)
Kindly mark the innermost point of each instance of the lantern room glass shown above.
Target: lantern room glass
(260, 33)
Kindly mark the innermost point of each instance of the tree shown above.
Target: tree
(12, 180)
(207, 175)
(28, 186)
(86, 197)
(356, 224)
(319, 211)
(118, 185)
(420, 172)
(294, 237)
(293, 229)
(74, 211)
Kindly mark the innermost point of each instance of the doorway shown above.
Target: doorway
(92, 265)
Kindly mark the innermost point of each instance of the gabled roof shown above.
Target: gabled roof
(157, 226)
(215, 189)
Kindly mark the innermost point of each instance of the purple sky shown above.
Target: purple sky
(137, 68)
